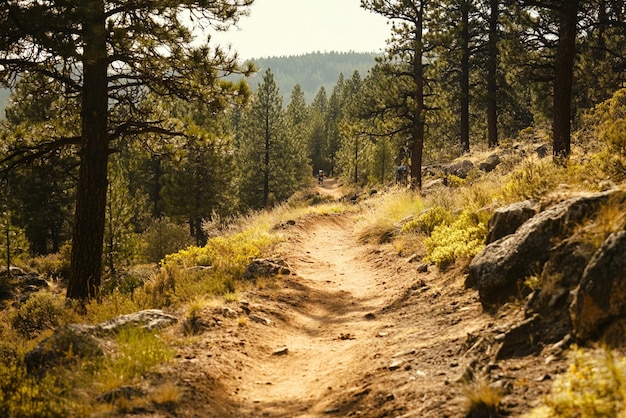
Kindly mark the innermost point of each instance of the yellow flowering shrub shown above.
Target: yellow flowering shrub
(463, 238)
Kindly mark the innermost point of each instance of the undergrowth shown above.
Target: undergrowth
(593, 387)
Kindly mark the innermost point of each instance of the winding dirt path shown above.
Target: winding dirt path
(327, 332)
(354, 330)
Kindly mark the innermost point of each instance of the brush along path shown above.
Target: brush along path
(355, 330)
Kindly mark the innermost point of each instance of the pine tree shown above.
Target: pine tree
(265, 153)
(404, 61)
(110, 53)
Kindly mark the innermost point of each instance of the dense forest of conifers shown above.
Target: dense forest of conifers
(138, 142)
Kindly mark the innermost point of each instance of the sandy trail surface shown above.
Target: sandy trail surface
(353, 330)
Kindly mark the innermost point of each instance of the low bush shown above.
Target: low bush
(593, 387)
(428, 220)
(463, 238)
(25, 396)
(40, 312)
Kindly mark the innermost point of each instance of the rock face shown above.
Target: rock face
(460, 169)
(507, 220)
(490, 163)
(574, 289)
(499, 271)
(87, 340)
(601, 296)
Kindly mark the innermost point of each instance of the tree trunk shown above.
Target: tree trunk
(89, 218)
(266, 161)
(465, 70)
(563, 80)
(492, 67)
(418, 113)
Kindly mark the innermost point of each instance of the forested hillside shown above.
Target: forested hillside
(312, 71)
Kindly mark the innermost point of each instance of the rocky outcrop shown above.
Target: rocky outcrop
(266, 267)
(490, 163)
(505, 221)
(460, 169)
(600, 299)
(574, 289)
(499, 271)
(89, 341)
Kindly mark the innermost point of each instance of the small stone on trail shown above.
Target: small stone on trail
(229, 313)
(260, 319)
(370, 316)
(396, 365)
(281, 352)
(332, 410)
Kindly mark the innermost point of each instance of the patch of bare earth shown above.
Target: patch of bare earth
(355, 330)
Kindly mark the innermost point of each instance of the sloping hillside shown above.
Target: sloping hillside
(312, 71)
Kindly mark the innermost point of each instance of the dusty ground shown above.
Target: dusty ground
(355, 330)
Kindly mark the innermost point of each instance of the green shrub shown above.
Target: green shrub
(25, 396)
(40, 312)
(593, 387)
(427, 221)
(139, 352)
(164, 237)
(463, 238)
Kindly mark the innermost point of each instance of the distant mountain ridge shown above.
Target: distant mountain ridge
(312, 71)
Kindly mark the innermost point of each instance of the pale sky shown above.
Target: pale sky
(296, 27)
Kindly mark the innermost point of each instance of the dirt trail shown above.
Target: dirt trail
(354, 330)
(326, 333)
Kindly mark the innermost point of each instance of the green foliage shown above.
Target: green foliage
(608, 119)
(593, 387)
(139, 352)
(164, 237)
(25, 396)
(428, 220)
(17, 243)
(228, 254)
(463, 238)
(42, 311)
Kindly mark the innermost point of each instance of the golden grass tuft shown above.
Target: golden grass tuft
(483, 400)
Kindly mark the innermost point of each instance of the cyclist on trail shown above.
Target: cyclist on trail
(320, 177)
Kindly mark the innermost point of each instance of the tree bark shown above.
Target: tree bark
(563, 80)
(418, 113)
(465, 70)
(89, 218)
(492, 84)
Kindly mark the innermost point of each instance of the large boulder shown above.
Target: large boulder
(490, 163)
(600, 300)
(500, 269)
(89, 341)
(460, 169)
(508, 219)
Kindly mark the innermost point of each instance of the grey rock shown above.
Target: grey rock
(148, 319)
(490, 163)
(460, 169)
(260, 319)
(265, 267)
(499, 270)
(600, 299)
(508, 219)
